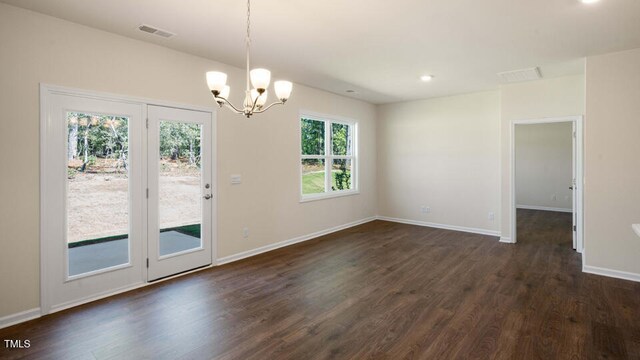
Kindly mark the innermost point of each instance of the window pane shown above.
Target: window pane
(312, 132)
(341, 175)
(312, 176)
(341, 139)
(97, 192)
(180, 197)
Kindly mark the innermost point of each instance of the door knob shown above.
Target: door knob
(208, 196)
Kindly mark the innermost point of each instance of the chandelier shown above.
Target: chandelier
(255, 98)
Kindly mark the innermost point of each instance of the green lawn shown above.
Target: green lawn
(313, 183)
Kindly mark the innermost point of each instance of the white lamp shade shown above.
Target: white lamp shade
(216, 80)
(261, 100)
(260, 78)
(225, 92)
(283, 89)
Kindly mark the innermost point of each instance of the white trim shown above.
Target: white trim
(20, 317)
(578, 160)
(543, 208)
(611, 273)
(55, 89)
(267, 248)
(441, 226)
(330, 195)
(44, 263)
(88, 299)
(506, 240)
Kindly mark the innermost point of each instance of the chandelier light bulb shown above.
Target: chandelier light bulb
(258, 99)
(216, 80)
(283, 89)
(260, 78)
(225, 92)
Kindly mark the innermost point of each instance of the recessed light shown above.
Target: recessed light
(589, 1)
(426, 78)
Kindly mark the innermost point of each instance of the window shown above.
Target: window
(328, 157)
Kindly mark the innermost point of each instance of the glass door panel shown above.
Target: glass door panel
(180, 181)
(97, 194)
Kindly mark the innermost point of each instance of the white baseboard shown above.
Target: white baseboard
(441, 226)
(99, 296)
(611, 273)
(17, 318)
(543, 208)
(266, 248)
(506, 240)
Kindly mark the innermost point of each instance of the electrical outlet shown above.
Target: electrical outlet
(492, 216)
(425, 209)
(245, 232)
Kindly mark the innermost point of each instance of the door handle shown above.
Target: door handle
(208, 196)
(570, 187)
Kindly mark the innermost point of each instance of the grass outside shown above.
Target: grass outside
(313, 182)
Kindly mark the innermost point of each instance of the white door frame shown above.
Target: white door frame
(46, 125)
(578, 161)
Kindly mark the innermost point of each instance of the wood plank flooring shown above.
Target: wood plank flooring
(377, 291)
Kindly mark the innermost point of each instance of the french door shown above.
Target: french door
(180, 190)
(127, 195)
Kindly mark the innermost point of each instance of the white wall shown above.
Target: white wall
(442, 153)
(612, 159)
(556, 97)
(544, 154)
(265, 149)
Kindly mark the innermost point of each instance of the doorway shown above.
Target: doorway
(180, 191)
(127, 194)
(546, 172)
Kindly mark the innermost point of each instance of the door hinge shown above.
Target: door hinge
(147, 193)
(574, 228)
(574, 133)
(147, 263)
(148, 124)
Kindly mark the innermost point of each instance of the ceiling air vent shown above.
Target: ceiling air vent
(520, 75)
(155, 31)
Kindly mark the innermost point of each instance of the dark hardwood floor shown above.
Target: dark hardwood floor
(380, 290)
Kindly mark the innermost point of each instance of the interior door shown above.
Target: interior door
(91, 192)
(180, 190)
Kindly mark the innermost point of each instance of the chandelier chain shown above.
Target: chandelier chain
(248, 19)
(248, 41)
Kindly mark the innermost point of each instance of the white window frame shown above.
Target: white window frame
(328, 156)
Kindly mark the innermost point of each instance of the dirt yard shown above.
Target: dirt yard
(98, 204)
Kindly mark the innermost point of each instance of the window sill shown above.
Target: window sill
(324, 196)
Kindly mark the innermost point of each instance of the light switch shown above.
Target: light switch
(236, 179)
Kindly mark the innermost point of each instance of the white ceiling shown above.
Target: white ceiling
(378, 48)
